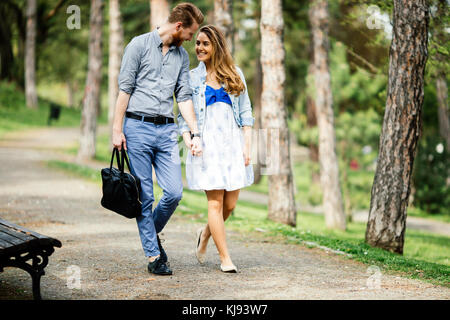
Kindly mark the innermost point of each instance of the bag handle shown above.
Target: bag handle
(124, 156)
(115, 152)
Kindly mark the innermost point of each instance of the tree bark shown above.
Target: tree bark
(281, 206)
(30, 55)
(159, 12)
(257, 86)
(443, 115)
(92, 91)
(329, 168)
(115, 57)
(401, 126)
(311, 120)
(223, 18)
(70, 93)
(6, 49)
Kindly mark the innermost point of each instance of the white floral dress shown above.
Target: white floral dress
(221, 166)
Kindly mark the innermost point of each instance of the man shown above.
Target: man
(154, 68)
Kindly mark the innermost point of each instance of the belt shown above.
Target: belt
(155, 120)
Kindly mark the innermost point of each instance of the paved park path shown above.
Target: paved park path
(106, 249)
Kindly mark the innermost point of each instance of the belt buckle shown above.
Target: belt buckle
(160, 120)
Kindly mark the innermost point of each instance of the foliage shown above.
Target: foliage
(439, 42)
(432, 176)
(357, 89)
(358, 63)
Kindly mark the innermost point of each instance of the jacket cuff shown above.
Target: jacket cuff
(247, 121)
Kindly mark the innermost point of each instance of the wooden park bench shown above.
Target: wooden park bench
(19, 245)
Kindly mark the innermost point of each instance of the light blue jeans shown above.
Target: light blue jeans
(154, 144)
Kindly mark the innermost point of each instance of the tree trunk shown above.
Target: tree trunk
(401, 126)
(223, 18)
(70, 93)
(93, 81)
(257, 86)
(30, 56)
(115, 57)
(311, 121)
(159, 12)
(443, 115)
(329, 168)
(345, 183)
(6, 49)
(274, 114)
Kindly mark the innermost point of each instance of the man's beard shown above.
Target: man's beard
(177, 40)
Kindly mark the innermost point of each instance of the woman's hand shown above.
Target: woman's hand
(196, 147)
(247, 153)
(247, 144)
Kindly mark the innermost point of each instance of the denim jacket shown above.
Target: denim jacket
(242, 109)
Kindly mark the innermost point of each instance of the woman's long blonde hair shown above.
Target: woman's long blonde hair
(222, 61)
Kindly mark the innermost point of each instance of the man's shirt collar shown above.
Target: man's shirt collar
(158, 41)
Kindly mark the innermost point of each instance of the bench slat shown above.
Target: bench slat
(13, 235)
(22, 229)
(4, 244)
(16, 239)
(10, 239)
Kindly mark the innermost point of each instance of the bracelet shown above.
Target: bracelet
(195, 135)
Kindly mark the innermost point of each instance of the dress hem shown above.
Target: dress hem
(219, 188)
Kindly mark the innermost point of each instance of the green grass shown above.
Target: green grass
(417, 212)
(360, 183)
(426, 256)
(76, 169)
(360, 189)
(14, 115)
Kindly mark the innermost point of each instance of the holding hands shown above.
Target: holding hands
(194, 144)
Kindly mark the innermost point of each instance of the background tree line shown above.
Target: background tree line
(326, 75)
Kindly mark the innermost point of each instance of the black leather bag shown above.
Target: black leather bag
(121, 190)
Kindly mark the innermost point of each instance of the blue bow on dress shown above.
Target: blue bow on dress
(216, 95)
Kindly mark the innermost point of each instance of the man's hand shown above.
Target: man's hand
(197, 147)
(118, 138)
(117, 134)
(187, 140)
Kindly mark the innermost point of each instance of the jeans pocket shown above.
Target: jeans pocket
(132, 131)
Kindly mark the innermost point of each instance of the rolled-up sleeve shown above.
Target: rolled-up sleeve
(183, 91)
(129, 68)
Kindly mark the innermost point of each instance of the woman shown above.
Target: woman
(224, 116)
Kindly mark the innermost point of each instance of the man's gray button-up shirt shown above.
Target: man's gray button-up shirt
(152, 79)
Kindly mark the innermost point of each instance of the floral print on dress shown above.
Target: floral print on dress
(221, 165)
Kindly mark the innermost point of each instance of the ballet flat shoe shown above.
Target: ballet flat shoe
(228, 269)
(200, 256)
